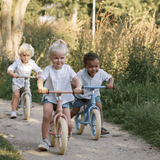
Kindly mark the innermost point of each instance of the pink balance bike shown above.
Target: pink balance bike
(58, 135)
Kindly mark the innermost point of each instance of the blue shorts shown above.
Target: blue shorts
(65, 105)
(81, 102)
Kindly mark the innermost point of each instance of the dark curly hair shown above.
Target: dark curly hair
(90, 56)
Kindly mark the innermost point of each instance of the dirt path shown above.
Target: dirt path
(26, 136)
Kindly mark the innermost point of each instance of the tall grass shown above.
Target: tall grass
(136, 106)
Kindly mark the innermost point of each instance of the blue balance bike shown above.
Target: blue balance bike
(90, 114)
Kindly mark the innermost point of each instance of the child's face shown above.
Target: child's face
(25, 57)
(58, 59)
(92, 67)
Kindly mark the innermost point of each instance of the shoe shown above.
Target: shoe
(13, 114)
(44, 146)
(104, 132)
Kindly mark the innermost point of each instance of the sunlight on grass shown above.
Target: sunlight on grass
(7, 152)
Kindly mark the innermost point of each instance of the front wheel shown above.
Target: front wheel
(52, 138)
(95, 124)
(80, 126)
(61, 136)
(26, 107)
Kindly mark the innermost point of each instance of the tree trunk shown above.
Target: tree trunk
(11, 36)
(74, 16)
(17, 31)
(6, 7)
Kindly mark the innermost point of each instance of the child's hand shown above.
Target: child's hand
(14, 75)
(43, 90)
(77, 91)
(37, 76)
(109, 86)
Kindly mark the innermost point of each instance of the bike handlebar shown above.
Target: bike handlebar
(60, 92)
(26, 77)
(96, 87)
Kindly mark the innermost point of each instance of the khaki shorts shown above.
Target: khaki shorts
(15, 87)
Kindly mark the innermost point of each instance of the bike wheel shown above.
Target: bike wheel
(62, 135)
(79, 126)
(26, 107)
(95, 124)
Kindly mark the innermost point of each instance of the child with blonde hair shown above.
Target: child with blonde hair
(57, 77)
(23, 67)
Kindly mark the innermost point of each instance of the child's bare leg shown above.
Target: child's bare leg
(15, 99)
(47, 113)
(74, 111)
(67, 114)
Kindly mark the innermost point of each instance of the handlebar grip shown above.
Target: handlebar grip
(44, 92)
(114, 87)
(80, 92)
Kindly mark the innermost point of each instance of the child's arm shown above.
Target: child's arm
(39, 73)
(12, 74)
(76, 83)
(41, 89)
(110, 84)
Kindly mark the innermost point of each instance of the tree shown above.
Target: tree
(66, 8)
(11, 30)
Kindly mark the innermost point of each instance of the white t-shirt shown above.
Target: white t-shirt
(23, 70)
(58, 80)
(97, 80)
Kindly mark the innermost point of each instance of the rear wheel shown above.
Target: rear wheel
(95, 124)
(79, 126)
(62, 135)
(26, 107)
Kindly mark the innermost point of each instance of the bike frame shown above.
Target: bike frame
(59, 110)
(26, 91)
(89, 107)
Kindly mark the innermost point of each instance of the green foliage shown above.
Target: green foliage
(136, 107)
(65, 8)
(7, 151)
(144, 120)
(41, 36)
(33, 9)
(143, 66)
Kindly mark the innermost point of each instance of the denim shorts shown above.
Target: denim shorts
(81, 102)
(65, 105)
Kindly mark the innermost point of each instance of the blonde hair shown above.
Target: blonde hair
(58, 45)
(26, 48)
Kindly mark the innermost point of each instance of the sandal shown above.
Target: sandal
(104, 132)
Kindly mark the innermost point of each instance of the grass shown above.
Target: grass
(7, 151)
(136, 107)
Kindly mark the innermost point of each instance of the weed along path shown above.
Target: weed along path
(25, 136)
